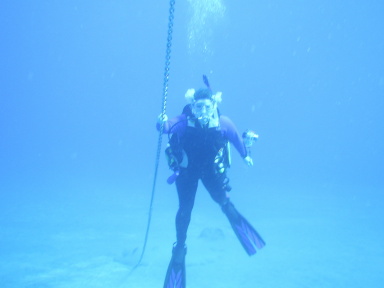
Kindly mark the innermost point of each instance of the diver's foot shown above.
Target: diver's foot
(176, 275)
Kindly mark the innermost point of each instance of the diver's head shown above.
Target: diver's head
(203, 109)
(202, 94)
(203, 103)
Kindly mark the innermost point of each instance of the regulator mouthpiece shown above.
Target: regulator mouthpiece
(203, 119)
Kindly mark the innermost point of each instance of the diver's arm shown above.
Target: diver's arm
(229, 129)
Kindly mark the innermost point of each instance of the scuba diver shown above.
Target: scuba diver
(198, 149)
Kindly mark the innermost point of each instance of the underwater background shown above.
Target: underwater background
(81, 86)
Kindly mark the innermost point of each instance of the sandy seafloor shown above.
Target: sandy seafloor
(328, 237)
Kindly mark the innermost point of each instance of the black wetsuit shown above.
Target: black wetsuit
(203, 148)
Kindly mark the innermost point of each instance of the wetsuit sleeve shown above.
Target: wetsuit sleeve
(228, 128)
(171, 124)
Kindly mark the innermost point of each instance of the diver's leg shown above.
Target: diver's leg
(186, 184)
(217, 186)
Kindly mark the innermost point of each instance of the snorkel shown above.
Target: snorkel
(206, 82)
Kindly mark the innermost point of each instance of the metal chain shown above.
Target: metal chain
(164, 107)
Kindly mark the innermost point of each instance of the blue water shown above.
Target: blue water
(81, 85)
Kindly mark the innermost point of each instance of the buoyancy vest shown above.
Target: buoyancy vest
(199, 148)
(202, 145)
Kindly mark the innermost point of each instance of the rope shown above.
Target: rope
(163, 109)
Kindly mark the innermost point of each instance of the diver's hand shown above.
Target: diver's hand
(248, 160)
(162, 118)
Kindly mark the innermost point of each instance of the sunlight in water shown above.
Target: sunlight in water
(205, 15)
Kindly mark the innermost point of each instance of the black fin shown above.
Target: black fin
(176, 276)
